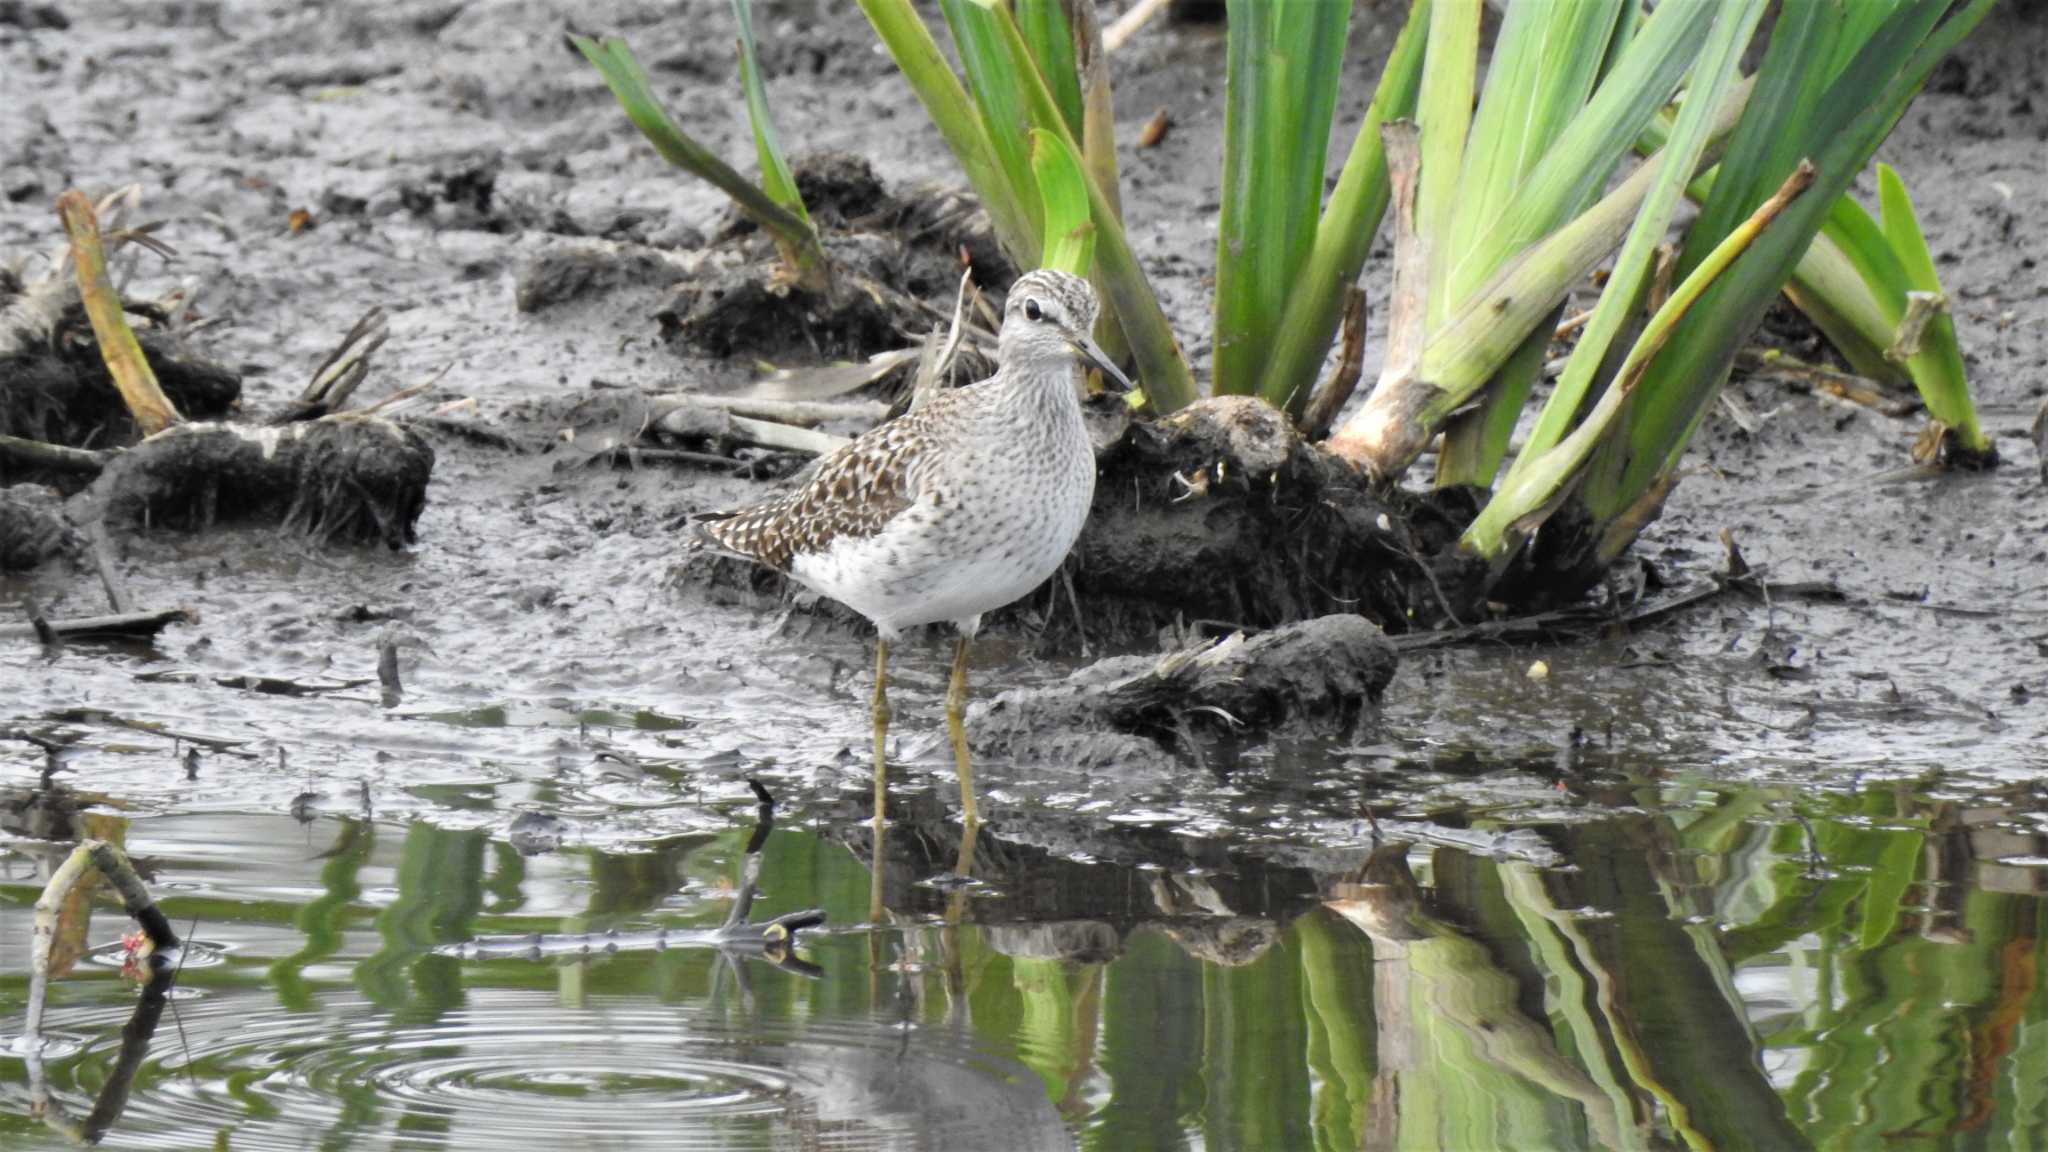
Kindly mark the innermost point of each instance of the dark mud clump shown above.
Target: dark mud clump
(888, 257)
(348, 480)
(1315, 677)
(54, 385)
(1221, 515)
(32, 528)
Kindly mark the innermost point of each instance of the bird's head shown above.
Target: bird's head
(1047, 323)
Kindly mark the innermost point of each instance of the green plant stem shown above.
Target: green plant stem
(1712, 77)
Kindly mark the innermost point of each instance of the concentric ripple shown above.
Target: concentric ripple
(517, 1068)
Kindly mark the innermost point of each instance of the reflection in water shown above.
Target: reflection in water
(1742, 968)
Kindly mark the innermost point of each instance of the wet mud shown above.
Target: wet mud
(460, 167)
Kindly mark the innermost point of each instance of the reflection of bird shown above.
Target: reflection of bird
(955, 509)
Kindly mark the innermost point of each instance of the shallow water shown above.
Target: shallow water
(1703, 964)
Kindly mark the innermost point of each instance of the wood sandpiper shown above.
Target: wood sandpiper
(954, 509)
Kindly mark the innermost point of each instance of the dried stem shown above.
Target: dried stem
(153, 411)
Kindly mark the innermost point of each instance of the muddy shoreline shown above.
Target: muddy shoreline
(446, 151)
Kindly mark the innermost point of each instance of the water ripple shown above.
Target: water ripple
(511, 1068)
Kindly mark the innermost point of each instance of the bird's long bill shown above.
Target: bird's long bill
(1096, 356)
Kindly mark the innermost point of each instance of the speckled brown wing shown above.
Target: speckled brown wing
(854, 494)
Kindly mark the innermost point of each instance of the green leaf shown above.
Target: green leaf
(628, 81)
(1349, 222)
(1044, 24)
(1538, 472)
(1280, 96)
(1857, 112)
(1937, 370)
(995, 79)
(1902, 232)
(1063, 196)
(776, 179)
(917, 55)
(1444, 113)
(1161, 368)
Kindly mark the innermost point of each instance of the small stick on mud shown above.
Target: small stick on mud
(88, 715)
(769, 435)
(795, 413)
(110, 581)
(1126, 26)
(387, 672)
(44, 634)
(135, 624)
(36, 454)
(1840, 385)
(146, 401)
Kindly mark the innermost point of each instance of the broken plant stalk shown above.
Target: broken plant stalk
(112, 863)
(146, 401)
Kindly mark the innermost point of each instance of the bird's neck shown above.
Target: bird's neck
(1050, 386)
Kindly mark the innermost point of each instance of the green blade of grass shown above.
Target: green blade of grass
(628, 81)
(1280, 95)
(776, 179)
(1541, 240)
(1344, 236)
(1784, 96)
(1586, 151)
(1063, 198)
(1531, 491)
(918, 57)
(1097, 134)
(1443, 111)
(1545, 62)
(1827, 288)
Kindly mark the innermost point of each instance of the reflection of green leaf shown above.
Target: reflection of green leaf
(440, 890)
(1336, 968)
(1557, 945)
(323, 919)
(1257, 1089)
(1151, 1048)
(1693, 1040)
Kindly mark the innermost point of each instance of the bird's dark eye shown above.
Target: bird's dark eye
(1032, 310)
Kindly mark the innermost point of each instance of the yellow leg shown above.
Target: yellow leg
(881, 719)
(956, 727)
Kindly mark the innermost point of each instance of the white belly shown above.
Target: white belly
(955, 560)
